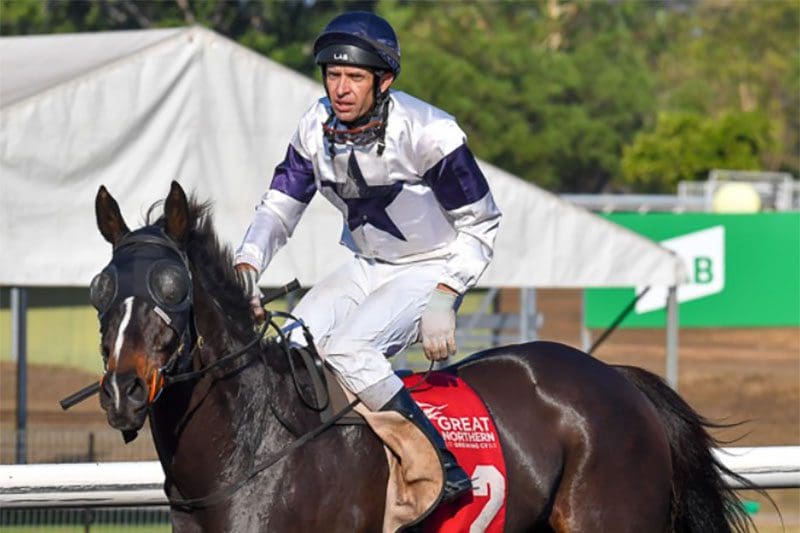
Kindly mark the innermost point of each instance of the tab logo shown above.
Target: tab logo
(703, 253)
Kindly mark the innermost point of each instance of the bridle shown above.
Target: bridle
(175, 369)
(147, 264)
(179, 315)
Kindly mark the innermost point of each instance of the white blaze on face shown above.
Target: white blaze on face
(123, 325)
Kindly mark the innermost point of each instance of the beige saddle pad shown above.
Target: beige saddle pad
(416, 478)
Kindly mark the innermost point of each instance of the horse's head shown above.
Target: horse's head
(144, 303)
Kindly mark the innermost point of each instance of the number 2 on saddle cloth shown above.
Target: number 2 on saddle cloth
(470, 434)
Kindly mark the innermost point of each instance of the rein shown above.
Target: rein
(163, 378)
(226, 492)
(186, 376)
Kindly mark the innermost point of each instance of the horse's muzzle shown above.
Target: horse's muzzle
(124, 399)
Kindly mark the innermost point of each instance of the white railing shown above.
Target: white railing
(768, 467)
(140, 483)
(82, 484)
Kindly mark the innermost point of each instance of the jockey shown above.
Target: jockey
(418, 217)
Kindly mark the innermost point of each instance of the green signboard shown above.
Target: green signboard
(744, 271)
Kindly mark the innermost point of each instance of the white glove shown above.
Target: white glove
(438, 326)
(248, 278)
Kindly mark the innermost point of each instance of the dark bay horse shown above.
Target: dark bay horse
(588, 447)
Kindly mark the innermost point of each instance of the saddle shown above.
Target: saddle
(413, 490)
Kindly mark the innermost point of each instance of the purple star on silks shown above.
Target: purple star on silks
(366, 204)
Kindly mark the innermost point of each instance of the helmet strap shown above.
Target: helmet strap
(377, 75)
(368, 129)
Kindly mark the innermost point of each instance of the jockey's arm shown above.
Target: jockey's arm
(275, 218)
(462, 191)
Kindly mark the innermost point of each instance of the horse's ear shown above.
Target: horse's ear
(109, 217)
(176, 213)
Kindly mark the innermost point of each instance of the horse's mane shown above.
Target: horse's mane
(212, 262)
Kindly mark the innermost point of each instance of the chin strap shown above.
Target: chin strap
(366, 130)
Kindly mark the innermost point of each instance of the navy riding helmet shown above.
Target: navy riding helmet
(359, 38)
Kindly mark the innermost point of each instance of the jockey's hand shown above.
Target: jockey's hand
(438, 325)
(248, 278)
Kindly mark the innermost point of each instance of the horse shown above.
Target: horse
(588, 446)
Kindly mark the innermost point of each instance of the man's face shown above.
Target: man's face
(350, 90)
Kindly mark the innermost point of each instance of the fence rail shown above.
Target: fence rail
(139, 483)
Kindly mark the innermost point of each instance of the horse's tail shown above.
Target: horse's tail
(701, 502)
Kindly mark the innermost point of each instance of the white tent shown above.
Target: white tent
(134, 110)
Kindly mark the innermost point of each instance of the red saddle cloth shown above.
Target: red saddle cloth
(469, 432)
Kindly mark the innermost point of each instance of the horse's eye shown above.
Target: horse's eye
(103, 289)
(169, 284)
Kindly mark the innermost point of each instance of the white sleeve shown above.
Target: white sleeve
(272, 225)
(280, 209)
(472, 250)
(460, 187)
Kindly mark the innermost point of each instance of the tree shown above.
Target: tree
(728, 55)
(549, 95)
(552, 90)
(686, 146)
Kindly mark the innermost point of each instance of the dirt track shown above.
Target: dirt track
(750, 376)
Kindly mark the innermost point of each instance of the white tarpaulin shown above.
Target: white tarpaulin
(135, 110)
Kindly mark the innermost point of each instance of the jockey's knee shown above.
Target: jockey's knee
(381, 392)
(362, 368)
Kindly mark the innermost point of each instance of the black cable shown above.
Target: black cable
(617, 321)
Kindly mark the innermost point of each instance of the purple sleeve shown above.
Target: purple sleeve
(294, 176)
(456, 180)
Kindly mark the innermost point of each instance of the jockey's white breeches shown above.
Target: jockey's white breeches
(364, 312)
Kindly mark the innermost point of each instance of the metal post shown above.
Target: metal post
(528, 319)
(533, 314)
(496, 332)
(19, 308)
(523, 315)
(672, 337)
(91, 455)
(586, 335)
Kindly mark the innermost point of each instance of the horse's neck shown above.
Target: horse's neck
(221, 423)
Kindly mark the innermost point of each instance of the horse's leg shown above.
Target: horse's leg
(617, 473)
(525, 423)
(603, 489)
